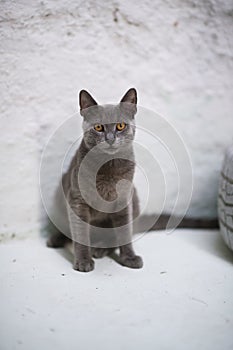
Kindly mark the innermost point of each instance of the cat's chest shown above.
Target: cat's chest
(107, 182)
(112, 178)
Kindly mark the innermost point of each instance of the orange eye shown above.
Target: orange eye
(120, 126)
(98, 127)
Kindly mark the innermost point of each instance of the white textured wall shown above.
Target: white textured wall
(178, 54)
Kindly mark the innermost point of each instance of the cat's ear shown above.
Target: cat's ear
(128, 103)
(86, 100)
(130, 96)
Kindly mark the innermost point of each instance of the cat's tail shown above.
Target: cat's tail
(187, 222)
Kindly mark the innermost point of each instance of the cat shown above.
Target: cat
(108, 135)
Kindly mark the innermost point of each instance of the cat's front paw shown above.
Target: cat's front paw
(134, 262)
(84, 265)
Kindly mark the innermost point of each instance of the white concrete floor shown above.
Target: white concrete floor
(181, 299)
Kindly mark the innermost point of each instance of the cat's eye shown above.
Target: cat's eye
(98, 127)
(120, 126)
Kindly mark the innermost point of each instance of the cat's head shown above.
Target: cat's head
(110, 127)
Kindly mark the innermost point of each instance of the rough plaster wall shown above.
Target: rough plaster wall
(178, 54)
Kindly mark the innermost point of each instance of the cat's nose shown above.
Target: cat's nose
(110, 138)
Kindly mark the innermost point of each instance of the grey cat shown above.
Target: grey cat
(101, 213)
(108, 134)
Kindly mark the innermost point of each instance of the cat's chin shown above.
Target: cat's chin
(110, 150)
(117, 148)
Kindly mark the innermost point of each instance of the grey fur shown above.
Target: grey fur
(113, 142)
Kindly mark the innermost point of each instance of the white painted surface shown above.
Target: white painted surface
(181, 299)
(178, 56)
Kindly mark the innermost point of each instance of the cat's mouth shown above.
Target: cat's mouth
(111, 149)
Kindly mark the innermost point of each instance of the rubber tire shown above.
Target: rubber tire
(225, 199)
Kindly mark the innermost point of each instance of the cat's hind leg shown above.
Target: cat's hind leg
(101, 252)
(57, 240)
